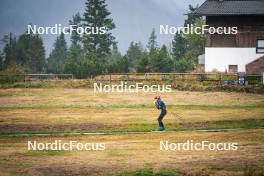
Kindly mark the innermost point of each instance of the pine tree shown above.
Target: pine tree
(186, 48)
(191, 18)
(179, 47)
(75, 37)
(75, 53)
(10, 52)
(195, 47)
(160, 61)
(73, 62)
(58, 55)
(143, 63)
(31, 53)
(97, 15)
(1, 61)
(152, 43)
(117, 63)
(133, 54)
(153, 55)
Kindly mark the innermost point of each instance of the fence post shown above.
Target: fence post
(263, 78)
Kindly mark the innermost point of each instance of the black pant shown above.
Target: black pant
(161, 116)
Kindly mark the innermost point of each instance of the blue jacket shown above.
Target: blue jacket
(160, 105)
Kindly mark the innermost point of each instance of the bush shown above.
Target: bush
(12, 74)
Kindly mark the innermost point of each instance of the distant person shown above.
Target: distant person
(161, 106)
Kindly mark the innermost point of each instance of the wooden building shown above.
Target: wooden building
(232, 52)
(256, 67)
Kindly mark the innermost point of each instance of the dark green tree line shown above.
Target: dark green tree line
(93, 54)
(27, 52)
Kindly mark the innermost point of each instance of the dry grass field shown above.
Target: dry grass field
(131, 148)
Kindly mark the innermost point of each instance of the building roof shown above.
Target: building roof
(256, 60)
(231, 7)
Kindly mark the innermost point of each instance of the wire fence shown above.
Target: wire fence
(33, 77)
(223, 78)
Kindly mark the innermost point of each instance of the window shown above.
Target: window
(260, 46)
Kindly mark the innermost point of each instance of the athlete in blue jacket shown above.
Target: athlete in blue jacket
(161, 106)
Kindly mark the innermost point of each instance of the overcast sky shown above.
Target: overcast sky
(134, 19)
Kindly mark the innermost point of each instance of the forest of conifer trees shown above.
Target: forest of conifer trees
(91, 55)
